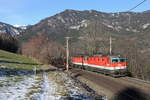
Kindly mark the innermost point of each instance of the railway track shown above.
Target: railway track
(124, 88)
(137, 80)
(137, 83)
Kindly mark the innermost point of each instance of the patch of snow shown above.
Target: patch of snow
(110, 26)
(12, 90)
(145, 25)
(49, 22)
(127, 29)
(134, 30)
(90, 11)
(61, 19)
(1, 25)
(75, 27)
(2, 31)
(23, 87)
(16, 31)
(118, 28)
(20, 26)
(113, 14)
(49, 89)
(16, 25)
(83, 23)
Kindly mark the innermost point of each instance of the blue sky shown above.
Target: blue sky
(29, 12)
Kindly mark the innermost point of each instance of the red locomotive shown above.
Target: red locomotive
(112, 65)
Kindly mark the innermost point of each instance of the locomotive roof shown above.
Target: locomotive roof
(111, 56)
(116, 57)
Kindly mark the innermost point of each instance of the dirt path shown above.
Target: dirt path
(46, 84)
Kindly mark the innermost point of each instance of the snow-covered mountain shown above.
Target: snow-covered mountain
(9, 29)
(20, 26)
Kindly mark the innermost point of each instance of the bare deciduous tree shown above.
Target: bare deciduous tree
(43, 49)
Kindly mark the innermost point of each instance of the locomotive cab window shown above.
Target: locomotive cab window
(115, 60)
(122, 60)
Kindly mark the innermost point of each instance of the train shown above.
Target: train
(115, 66)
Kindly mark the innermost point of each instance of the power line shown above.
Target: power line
(136, 5)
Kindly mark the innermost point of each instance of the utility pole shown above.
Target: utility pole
(67, 52)
(129, 19)
(110, 49)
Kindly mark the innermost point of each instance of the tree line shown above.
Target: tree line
(8, 43)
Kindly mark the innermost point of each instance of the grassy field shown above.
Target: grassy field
(11, 60)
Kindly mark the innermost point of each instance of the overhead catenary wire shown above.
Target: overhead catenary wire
(129, 19)
(137, 5)
(135, 8)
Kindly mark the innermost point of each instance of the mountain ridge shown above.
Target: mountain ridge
(10, 29)
(122, 22)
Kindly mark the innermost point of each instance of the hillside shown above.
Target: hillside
(77, 24)
(15, 61)
(64, 23)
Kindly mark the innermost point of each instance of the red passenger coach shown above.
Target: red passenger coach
(112, 65)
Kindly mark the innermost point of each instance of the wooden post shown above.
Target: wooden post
(67, 53)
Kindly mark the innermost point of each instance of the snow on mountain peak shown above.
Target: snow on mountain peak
(20, 26)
